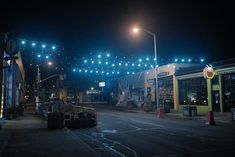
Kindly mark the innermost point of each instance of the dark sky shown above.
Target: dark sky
(191, 28)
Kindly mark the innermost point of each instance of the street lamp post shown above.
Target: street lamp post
(37, 97)
(136, 30)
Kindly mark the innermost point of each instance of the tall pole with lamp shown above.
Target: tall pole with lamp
(136, 30)
(37, 101)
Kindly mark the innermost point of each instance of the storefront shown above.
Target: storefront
(166, 84)
(217, 94)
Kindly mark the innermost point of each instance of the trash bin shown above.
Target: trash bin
(190, 111)
(233, 114)
(55, 120)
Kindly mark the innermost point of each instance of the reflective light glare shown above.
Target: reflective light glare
(74, 69)
(102, 72)
(133, 64)
(47, 57)
(138, 65)
(107, 73)
(147, 59)
(85, 61)
(113, 65)
(120, 64)
(113, 72)
(133, 72)
(23, 42)
(182, 60)
(168, 65)
(85, 71)
(99, 62)
(140, 60)
(176, 60)
(92, 88)
(108, 55)
(80, 70)
(91, 71)
(92, 62)
(154, 59)
(106, 63)
(99, 56)
(118, 72)
(33, 44)
(39, 55)
(96, 72)
(189, 60)
(128, 73)
(145, 65)
(202, 60)
(53, 47)
(126, 64)
(43, 46)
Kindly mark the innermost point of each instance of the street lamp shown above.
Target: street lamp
(37, 101)
(136, 30)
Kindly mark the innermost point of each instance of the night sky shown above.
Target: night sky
(184, 28)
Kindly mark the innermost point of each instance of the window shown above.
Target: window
(193, 91)
(228, 91)
(165, 86)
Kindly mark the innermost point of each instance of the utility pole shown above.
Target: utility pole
(37, 101)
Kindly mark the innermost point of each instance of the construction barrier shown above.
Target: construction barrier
(210, 118)
(160, 113)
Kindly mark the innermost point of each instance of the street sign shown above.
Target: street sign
(209, 72)
(11, 47)
(101, 84)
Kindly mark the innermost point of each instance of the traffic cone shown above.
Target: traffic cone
(210, 118)
(160, 113)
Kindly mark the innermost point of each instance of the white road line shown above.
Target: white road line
(147, 123)
(136, 127)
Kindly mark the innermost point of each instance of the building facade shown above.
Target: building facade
(217, 94)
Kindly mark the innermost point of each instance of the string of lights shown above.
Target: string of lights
(103, 64)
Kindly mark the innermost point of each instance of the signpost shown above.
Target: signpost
(102, 84)
(209, 72)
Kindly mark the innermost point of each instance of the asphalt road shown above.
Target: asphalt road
(123, 134)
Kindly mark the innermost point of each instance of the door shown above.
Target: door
(215, 101)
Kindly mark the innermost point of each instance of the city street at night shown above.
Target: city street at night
(140, 134)
(117, 78)
(122, 134)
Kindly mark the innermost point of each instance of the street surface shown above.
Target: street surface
(121, 134)
(125, 134)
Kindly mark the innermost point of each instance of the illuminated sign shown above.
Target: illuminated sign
(101, 84)
(209, 72)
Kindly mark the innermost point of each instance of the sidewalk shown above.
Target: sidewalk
(224, 117)
(30, 137)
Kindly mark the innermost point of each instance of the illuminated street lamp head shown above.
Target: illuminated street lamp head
(49, 63)
(135, 29)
